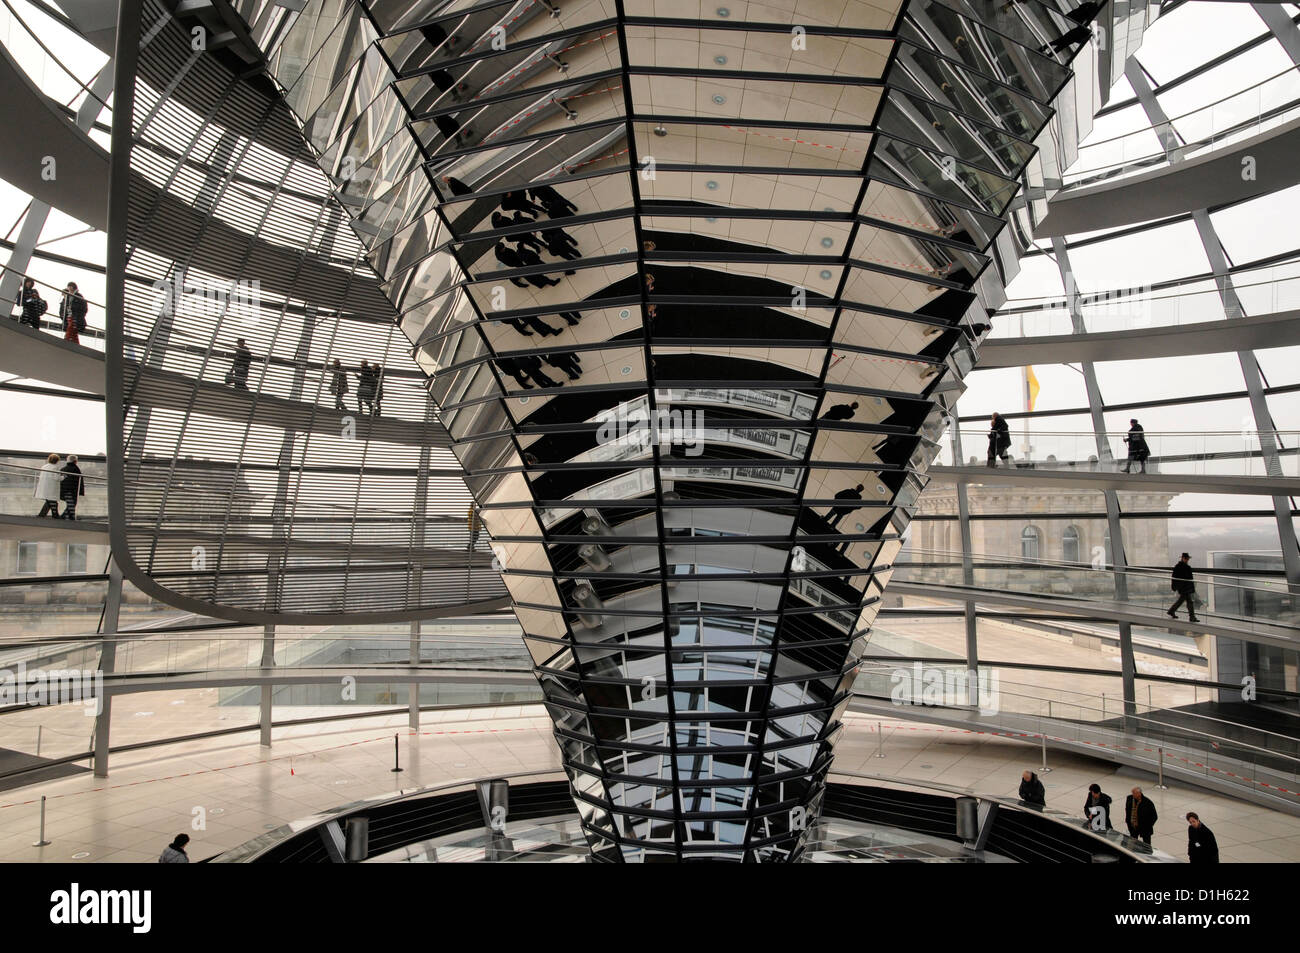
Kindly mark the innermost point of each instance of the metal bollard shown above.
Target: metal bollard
(880, 740)
(1044, 769)
(39, 730)
(41, 842)
(1160, 770)
(397, 760)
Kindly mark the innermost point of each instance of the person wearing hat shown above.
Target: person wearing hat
(1138, 451)
(1182, 584)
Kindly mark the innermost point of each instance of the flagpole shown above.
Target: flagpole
(1024, 444)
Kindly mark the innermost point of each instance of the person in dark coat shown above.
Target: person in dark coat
(1032, 790)
(1138, 451)
(70, 487)
(837, 513)
(1202, 848)
(31, 304)
(365, 388)
(338, 384)
(1140, 816)
(239, 366)
(72, 313)
(570, 363)
(1183, 584)
(841, 411)
(572, 317)
(999, 439)
(1097, 804)
(377, 371)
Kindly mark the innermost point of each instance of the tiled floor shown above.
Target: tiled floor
(240, 790)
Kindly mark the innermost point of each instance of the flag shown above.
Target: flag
(1031, 388)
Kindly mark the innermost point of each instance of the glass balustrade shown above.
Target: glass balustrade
(1182, 453)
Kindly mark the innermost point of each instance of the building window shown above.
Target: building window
(76, 557)
(27, 559)
(1029, 543)
(1070, 545)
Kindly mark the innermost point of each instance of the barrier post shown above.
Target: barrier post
(880, 739)
(41, 841)
(397, 761)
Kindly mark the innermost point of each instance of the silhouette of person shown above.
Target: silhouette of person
(840, 411)
(533, 365)
(552, 200)
(569, 363)
(837, 513)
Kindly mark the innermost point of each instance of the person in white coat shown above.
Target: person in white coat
(47, 486)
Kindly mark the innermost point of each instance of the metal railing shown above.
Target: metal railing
(1219, 596)
(1264, 105)
(1129, 309)
(1190, 453)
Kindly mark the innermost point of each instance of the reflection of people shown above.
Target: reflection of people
(533, 365)
(553, 200)
(841, 411)
(536, 323)
(530, 257)
(518, 202)
(841, 511)
(512, 368)
(569, 363)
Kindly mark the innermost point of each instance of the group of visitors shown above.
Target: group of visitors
(1000, 442)
(370, 386)
(54, 484)
(1140, 817)
(72, 309)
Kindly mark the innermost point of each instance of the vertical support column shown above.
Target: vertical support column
(413, 690)
(1286, 34)
(967, 575)
(268, 661)
(1114, 525)
(107, 662)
